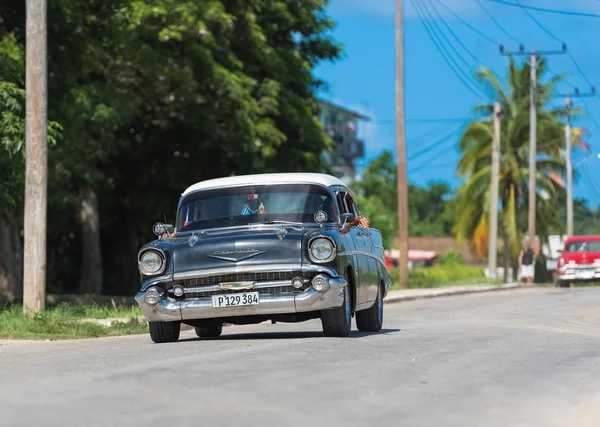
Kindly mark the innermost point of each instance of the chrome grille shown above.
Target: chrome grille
(243, 277)
(199, 282)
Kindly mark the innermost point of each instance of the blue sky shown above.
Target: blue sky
(364, 79)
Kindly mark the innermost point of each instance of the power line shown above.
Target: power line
(440, 47)
(433, 145)
(436, 166)
(497, 23)
(543, 9)
(538, 23)
(591, 115)
(467, 24)
(453, 33)
(433, 23)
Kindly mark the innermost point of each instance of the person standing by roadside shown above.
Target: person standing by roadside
(527, 263)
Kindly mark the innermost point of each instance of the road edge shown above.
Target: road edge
(446, 292)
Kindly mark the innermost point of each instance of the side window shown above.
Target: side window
(340, 199)
(351, 205)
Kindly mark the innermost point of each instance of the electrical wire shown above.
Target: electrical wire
(433, 23)
(538, 23)
(433, 145)
(439, 15)
(468, 25)
(497, 23)
(591, 115)
(436, 166)
(543, 9)
(440, 47)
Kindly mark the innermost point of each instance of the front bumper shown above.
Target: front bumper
(171, 309)
(571, 273)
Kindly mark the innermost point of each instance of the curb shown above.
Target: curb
(446, 292)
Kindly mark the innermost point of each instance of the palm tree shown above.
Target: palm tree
(473, 196)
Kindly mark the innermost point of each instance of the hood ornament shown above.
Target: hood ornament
(282, 232)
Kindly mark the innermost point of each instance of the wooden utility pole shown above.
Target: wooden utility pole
(36, 157)
(569, 169)
(533, 55)
(402, 177)
(493, 246)
(532, 147)
(568, 153)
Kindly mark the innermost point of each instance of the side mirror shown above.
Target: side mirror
(159, 229)
(347, 217)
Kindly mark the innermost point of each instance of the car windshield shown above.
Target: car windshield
(583, 246)
(227, 207)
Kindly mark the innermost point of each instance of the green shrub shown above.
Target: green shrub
(450, 258)
(449, 271)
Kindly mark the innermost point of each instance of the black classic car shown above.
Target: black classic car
(248, 249)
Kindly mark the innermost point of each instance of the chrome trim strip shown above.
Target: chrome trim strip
(266, 268)
(237, 269)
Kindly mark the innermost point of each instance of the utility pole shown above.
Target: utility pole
(532, 147)
(569, 168)
(568, 153)
(493, 247)
(533, 55)
(402, 178)
(36, 157)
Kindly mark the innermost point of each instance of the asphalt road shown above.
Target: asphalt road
(528, 357)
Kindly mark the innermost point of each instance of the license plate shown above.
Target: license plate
(235, 300)
(584, 274)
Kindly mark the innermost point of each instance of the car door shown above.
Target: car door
(364, 246)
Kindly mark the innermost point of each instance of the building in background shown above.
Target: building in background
(341, 125)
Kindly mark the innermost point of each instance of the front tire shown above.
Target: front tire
(563, 284)
(213, 331)
(162, 332)
(337, 322)
(371, 319)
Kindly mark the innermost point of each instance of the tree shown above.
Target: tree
(171, 93)
(12, 178)
(473, 195)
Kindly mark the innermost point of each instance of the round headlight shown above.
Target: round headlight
(322, 250)
(151, 262)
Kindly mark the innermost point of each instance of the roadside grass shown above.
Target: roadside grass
(69, 321)
(449, 271)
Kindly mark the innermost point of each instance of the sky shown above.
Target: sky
(364, 79)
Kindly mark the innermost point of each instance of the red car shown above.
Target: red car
(579, 261)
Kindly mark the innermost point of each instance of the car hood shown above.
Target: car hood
(240, 249)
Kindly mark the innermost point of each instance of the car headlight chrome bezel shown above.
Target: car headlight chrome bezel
(327, 242)
(149, 252)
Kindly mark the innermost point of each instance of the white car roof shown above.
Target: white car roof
(267, 178)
